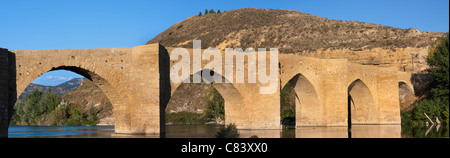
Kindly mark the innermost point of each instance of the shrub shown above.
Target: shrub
(287, 98)
(76, 118)
(229, 131)
(185, 118)
(438, 60)
(445, 114)
(58, 116)
(91, 113)
(432, 107)
(180, 26)
(34, 108)
(214, 105)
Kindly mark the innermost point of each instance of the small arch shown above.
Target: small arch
(308, 108)
(361, 104)
(405, 95)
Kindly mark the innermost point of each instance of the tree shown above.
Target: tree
(34, 108)
(436, 105)
(218, 11)
(438, 61)
(212, 11)
(287, 99)
(206, 11)
(199, 13)
(92, 118)
(215, 108)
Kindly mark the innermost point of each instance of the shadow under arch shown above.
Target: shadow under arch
(235, 109)
(405, 94)
(308, 108)
(361, 104)
(121, 116)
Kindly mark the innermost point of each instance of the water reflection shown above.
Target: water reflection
(209, 131)
(60, 131)
(437, 131)
(356, 131)
(263, 133)
(376, 131)
(321, 132)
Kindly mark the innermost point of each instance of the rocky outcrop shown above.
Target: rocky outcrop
(89, 94)
(189, 98)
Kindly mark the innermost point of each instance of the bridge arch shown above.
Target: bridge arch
(308, 107)
(405, 94)
(235, 109)
(121, 116)
(362, 108)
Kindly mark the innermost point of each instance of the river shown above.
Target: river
(208, 131)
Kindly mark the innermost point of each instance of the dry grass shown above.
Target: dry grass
(289, 31)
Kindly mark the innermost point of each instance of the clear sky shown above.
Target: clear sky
(58, 24)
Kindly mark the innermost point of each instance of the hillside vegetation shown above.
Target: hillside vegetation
(290, 31)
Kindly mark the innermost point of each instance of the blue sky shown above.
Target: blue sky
(57, 24)
(53, 78)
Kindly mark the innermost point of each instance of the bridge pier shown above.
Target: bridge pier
(148, 90)
(7, 89)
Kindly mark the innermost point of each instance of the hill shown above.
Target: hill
(292, 31)
(60, 89)
(89, 94)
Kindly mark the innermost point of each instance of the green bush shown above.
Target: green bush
(47, 108)
(34, 108)
(229, 131)
(180, 26)
(75, 119)
(58, 116)
(287, 101)
(436, 105)
(445, 114)
(434, 108)
(438, 60)
(91, 118)
(429, 106)
(186, 118)
(215, 108)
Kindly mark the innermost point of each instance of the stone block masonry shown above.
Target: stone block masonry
(7, 89)
(330, 92)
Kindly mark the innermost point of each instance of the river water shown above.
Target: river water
(208, 131)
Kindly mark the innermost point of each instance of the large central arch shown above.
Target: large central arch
(120, 114)
(362, 108)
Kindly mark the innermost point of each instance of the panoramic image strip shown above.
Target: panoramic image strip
(224, 69)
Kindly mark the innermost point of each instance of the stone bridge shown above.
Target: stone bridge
(329, 92)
